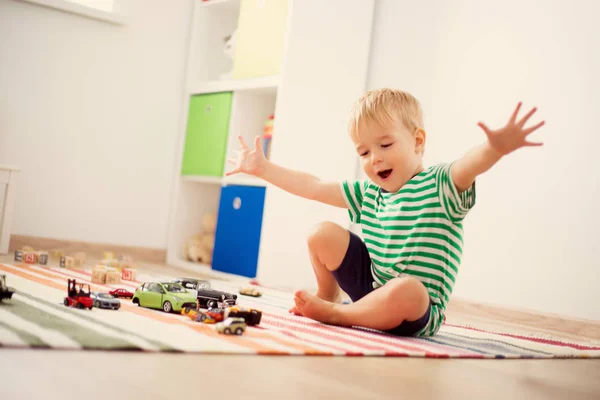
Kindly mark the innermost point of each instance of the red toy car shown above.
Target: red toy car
(77, 296)
(121, 293)
(211, 316)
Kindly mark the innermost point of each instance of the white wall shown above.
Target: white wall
(91, 111)
(530, 241)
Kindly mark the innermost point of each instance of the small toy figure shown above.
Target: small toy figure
(250, 291)
(229, 50)
(268, 135)
(5, 291)
(231, 326)
(78, 296)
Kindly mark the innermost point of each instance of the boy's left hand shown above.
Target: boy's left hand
(513, 136)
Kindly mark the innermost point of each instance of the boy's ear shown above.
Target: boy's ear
(420, 138)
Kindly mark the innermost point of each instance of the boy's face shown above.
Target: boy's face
(390, 155)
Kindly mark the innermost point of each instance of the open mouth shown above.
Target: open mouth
(385, 173)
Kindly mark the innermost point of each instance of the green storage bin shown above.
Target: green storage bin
(206, 137)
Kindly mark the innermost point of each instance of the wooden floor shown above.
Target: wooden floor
(32, 374)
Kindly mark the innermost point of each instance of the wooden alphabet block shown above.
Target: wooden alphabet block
(56, 255)
(79, 258)
(113, 278)
(30, 257)
(128, 274)
(19, 255)
(99, 275)
(42, 257)
(66, 262)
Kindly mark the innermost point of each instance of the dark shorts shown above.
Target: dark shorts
(355, 278)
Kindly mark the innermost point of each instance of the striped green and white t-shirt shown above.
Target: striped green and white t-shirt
(415, 232)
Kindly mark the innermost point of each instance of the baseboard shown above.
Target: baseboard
(93, 250)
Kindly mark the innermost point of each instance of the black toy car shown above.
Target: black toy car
(192, 283)
(251, 316)
(210, 298)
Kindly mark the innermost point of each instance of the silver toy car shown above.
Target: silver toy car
(105, 300)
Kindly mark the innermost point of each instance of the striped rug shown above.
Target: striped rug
(36, 317)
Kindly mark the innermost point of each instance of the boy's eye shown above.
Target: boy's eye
(364, 153)
(386, 145)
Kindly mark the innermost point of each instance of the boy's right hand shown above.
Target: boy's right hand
(251, 162)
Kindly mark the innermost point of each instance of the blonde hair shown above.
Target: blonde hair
(383, 106)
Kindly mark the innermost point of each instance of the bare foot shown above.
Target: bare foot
(315, 308)
(294, 310)
(337, 299)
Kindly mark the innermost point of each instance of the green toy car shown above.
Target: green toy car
(166, 296)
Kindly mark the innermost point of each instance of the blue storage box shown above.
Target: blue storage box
(239, 223)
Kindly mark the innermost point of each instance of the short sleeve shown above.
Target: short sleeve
(353, 192)
(456, 205)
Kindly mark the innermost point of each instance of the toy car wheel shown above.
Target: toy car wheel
(211, 304)
(80, 306)
(167, 307)
(203, 317)
(66, 302)
(137, 301)
(96, 304)
(239, 331)
(90, 307)
(227, 331)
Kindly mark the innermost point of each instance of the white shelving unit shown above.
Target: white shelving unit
(323, 71)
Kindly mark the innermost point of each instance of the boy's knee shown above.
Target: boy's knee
(411, 294)
(321, 232)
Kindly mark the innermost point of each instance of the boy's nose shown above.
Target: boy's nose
(376, 157)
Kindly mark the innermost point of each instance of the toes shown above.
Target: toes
(294, 310)
(301, 294)
(299, 301)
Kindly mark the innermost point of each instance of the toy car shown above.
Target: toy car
(211, 316)
(105, 300)
(5, 291)
(77, 296)
(250, 291)
(167, 296)
(192, 283)
(251, 316)
(209, 298)
(231, 325)
(121, 293)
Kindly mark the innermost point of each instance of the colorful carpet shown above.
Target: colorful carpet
(36, 317)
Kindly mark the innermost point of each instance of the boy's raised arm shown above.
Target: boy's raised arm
(500, 143)
(254, 162)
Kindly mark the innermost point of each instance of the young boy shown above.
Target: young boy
(401, 276)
